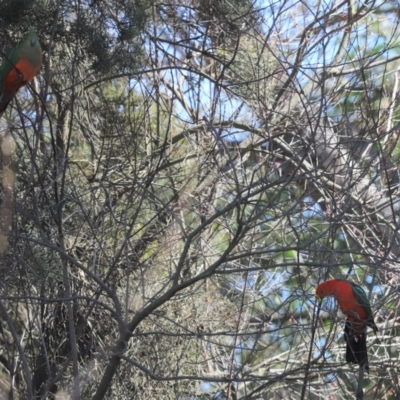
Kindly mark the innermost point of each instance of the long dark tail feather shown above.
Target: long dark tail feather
(356, 347)
(3, 109)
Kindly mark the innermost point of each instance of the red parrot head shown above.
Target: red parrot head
(328, 288)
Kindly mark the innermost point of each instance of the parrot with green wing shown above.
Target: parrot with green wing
(355, 304)
(19, 67)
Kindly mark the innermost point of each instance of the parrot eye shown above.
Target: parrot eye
(33, 42)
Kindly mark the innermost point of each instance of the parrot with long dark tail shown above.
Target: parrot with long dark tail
(354, 303)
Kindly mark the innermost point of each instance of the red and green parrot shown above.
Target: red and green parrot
(19, 67)
(354, 303)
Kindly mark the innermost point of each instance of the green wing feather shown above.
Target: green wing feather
(8, 63)
(364, 302)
